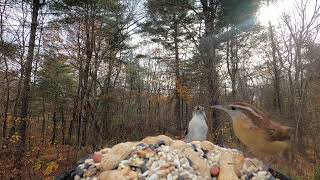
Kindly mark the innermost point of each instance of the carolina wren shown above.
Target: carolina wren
(256, 130)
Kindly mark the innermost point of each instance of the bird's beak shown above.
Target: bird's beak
(223, 108)
(220, 107)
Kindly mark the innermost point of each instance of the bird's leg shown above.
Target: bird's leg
(248, 154)
(269, 163)
(253, 155)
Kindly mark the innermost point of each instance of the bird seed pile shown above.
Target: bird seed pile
(160, 157)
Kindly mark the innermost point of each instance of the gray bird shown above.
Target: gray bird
(197, 128)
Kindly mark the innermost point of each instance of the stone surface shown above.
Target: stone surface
(178, 144)
(90, 172)
(207, 145)
(156, 139)
(105, 150)
(146, 153)
(112, 175)
(118, 153)
(77, 177)
(238, 160)
(132, 175)
(227, 167)
(202, 166)
(160, 157)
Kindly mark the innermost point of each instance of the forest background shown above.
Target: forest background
(77, 75)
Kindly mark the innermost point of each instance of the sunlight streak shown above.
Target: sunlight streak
(270, 13)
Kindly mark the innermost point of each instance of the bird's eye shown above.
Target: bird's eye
(233, 108)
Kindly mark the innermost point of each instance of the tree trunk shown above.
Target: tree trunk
(299, 104)
(104, 107)
(276, 70)
(84, 99)
(43, 127)
(37, 56)
(75, 110)
(209, 46)
(79, 118)
(94, 76)
(22, 69)
(214, 93)
(54, 120)
(86, 95)
(7, 89)
(6, 105)
(25, 91)
(177, 76)
(232, 66)
(139, 102)
(71, 124)
(62, 123)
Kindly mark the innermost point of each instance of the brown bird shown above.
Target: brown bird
(256, 130)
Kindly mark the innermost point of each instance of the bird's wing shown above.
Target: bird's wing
(206, 127)
(192, 124)
(280, 133)
(188, 131)
(203, 129)
(273, 131)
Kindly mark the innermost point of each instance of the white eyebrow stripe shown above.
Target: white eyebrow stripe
(249, 109)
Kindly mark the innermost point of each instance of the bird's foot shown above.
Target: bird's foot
(248, 154)
(267, 167)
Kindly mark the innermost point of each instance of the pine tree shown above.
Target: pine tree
(166, 24)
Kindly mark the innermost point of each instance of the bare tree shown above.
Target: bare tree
(300, 26)
(210, 10)
(25, 91)
(3, 57)
(275, 66)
